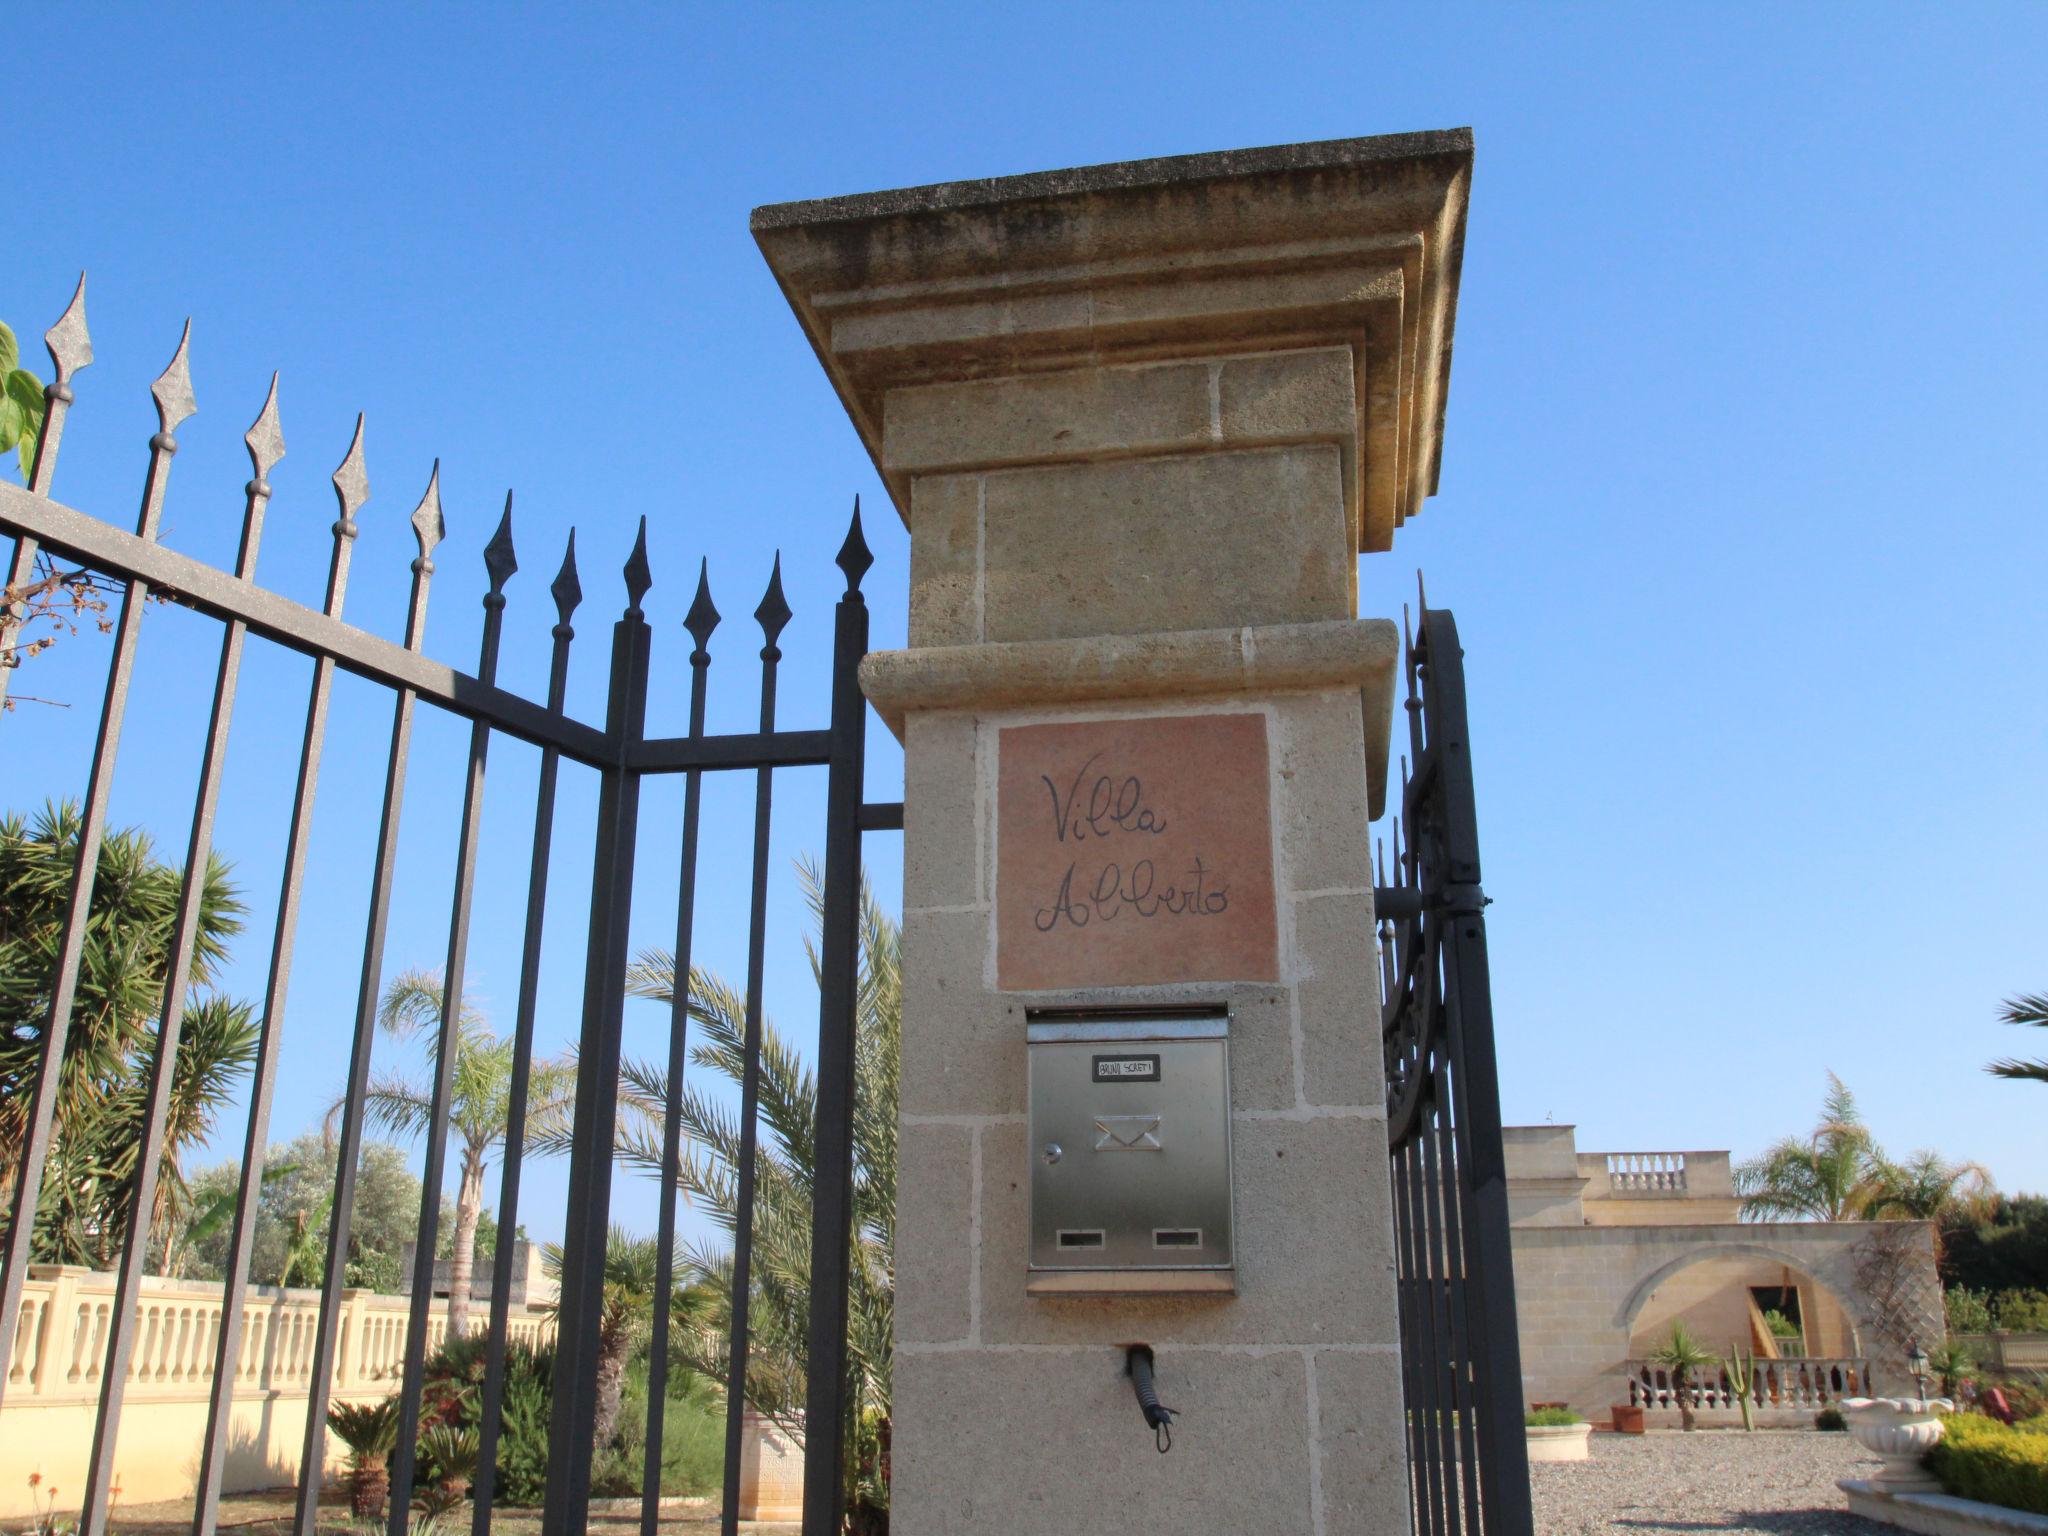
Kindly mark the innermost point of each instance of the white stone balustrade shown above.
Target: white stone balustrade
(1807, 1384)
(54, 1372)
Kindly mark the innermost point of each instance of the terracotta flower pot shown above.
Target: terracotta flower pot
(1627, 1418)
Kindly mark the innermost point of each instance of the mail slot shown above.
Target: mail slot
(1130, 1152)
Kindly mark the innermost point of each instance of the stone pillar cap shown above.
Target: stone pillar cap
(1348, 242)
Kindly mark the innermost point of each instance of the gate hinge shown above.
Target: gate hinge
(1464, 900)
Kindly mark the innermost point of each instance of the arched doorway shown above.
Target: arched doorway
(1739, 1299)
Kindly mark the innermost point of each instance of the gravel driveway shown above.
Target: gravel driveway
(1771, 1483)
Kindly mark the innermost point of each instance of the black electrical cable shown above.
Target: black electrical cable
(1138, 1365)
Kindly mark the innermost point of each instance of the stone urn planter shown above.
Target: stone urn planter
(1900, 1430)
(1559, 1442)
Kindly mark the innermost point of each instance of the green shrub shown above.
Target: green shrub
(1781, 1326)
(1830, 1418)
(1542, 1418)
(692, 1439)
(523, 1427)
(2021, 1311)
(1982, 1459)
(1968, 1311)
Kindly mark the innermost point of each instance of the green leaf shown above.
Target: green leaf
(22, 410)
(10, 350)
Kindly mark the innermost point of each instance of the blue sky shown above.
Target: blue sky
(1741, 511)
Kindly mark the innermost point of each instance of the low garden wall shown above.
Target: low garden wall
(53, 1381)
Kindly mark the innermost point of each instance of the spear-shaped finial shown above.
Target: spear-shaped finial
(638, 577)
(703, 616)
(498, 556)
(265, 440)
(774, 610)
(427, 525)
(567, 591)
(68, 340)
(1421, 596)
(1381, 845)
(854, 556)
(173, 391)
(351, 484)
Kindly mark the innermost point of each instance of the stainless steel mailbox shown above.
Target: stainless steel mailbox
(1130, 1150)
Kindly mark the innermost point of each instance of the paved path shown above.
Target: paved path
(1771, 1483)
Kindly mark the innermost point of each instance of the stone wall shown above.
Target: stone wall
(1582, 1293)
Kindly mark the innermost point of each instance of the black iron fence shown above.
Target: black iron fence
(138, 567)
(1460, 1359)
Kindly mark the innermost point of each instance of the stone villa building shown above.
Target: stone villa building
(1612, 1248)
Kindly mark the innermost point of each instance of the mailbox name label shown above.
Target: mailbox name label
(1127, 1069)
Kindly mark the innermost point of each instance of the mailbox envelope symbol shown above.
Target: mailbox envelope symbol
(1127, 1133)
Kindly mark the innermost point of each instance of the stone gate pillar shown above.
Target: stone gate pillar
(1141, 420)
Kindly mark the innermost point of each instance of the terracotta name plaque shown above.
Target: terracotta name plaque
(1134, 851)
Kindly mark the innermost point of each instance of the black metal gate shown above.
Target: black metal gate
(137, 567)
(1460, 1360)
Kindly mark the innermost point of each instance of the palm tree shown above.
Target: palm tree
(2027, 1008)
(631, 1272)
(370, 1431)
(784, 1174)
(1926, 1187)
(477, 1112)
(101, 1089)
(1681, 1355)
(1833, 1175)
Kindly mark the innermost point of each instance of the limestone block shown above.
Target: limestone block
(1314, 1251)
(1223, 539)
(1288, 394)
(941, 834)
(1081, 413)
(1340, 1001)
(1050, 1444)
(1364, 1463)
(963, 1046)
(1324, 825)
(1261, 1046)
(933, 1259)
(945, 560)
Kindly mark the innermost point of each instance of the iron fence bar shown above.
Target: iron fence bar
(426, 521)
(1442, 1354)
(772, 614)
(78, 910)
(764, 749)
(574, 1409)
(1459, 1431)
(881, 816)
(700, 622)
(351, 489)
(199, 585)
(174, 405)
(825, 1396)
(1410, 1324)
(70, 348)
(567, 593)
(1429, 1468)
(499, 563)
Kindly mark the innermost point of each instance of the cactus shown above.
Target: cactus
(1741, 1373)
